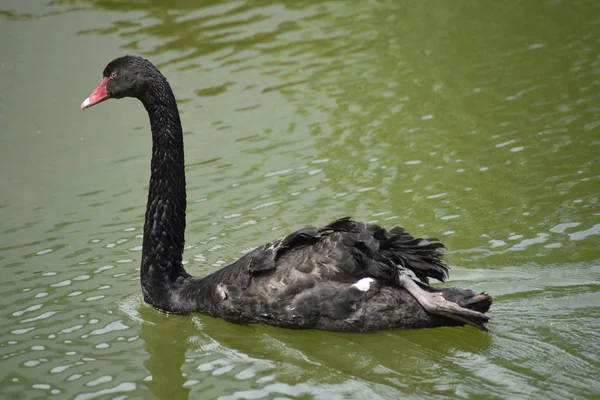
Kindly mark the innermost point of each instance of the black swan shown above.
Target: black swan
(345, 276)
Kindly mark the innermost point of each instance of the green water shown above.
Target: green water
(475, 122)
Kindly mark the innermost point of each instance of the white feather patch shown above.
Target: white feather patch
(364, 284)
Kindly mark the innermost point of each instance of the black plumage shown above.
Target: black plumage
(345, 276)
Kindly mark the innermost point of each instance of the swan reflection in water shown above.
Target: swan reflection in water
(166, 342)
(208, 356)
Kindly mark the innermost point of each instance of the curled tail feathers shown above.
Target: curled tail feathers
(397, 248)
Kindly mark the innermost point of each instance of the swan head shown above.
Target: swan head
(127, 76)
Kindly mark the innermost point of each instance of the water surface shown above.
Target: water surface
(474, 122)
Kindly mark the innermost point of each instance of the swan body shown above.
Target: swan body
(344, 276)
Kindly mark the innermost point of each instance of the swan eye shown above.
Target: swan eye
(113, 75)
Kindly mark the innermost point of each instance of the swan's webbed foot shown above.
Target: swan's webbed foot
(435, 303)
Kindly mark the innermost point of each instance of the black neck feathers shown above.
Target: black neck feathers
(164, 226)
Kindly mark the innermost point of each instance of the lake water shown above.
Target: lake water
(475, 122)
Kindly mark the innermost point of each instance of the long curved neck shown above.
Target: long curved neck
(164, 226)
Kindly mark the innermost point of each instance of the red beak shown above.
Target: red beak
(97, 96)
